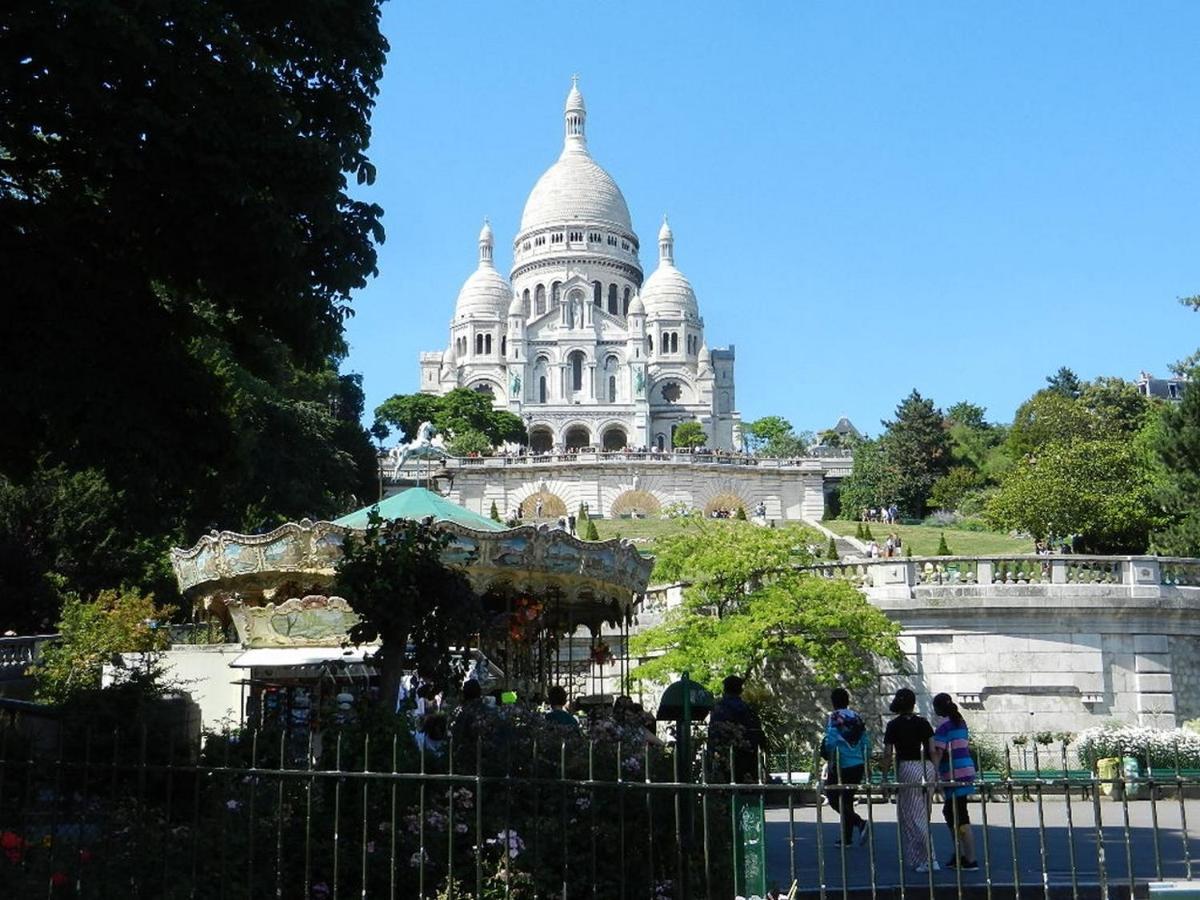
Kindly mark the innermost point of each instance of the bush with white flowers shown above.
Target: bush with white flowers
(1153, 747)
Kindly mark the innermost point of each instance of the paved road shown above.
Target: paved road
(1043, 856)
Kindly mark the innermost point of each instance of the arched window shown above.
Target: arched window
(597, 293)
(612, 299)
(539, 300)
(674, 341)
(542, 389)
(577, 371)
(479, 343)
(625, 304)
(503, 345)
(612, 388)
(525, 301)
(555, 293)
(487, 344)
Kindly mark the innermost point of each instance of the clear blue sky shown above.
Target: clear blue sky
(866, 197)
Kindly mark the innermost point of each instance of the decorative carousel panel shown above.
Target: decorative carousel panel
(600, 578)
(312, 621)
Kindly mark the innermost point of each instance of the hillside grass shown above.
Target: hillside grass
(923, 539)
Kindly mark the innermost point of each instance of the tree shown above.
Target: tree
(689, 434)
(871, 479)
(917, 449)
(590, 533)
(831, 551)
(92, 634)
(943, 548)
(774, 436)
(1107, 408)
(180, 246)
(1176, 445)
(747, 611)
(1065, 383)
(455, 414)
(1101, 490)
(950, 490)
(393, 576)
(494, 513)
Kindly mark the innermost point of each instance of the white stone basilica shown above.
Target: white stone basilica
(578, 344)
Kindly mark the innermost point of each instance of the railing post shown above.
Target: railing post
(1058, 570)
(983, 571)
(1141, 570)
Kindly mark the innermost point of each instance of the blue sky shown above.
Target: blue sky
(866, 197)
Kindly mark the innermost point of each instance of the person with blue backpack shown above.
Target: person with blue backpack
(846, 746)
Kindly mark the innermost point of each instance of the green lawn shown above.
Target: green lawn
(643, 532)
(923, 539)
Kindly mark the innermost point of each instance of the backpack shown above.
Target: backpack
(851, 729)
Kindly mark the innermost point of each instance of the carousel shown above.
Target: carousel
(557, 605)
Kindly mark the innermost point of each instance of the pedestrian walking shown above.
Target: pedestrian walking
(734, 724)
(908, 739)
(956, 773)
(845, 746)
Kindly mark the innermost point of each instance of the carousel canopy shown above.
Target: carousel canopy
(417, 504)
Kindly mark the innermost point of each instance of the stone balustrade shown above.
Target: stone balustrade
(827, 459)
(1022, 570)
(17, 654)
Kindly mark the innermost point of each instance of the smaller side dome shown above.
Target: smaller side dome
(636, 306)
(516, 308)
(485, 294)
(667, 292)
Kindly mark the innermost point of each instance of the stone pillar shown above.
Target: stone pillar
(1141, 570)
(1058, 570)
(983, 571)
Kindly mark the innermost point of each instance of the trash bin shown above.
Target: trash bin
(1107, 770)
(1132, 773)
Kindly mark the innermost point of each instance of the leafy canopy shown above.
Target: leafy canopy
(774, 436)
(745, 605)
(467, 417)
(689, 434)
(92, 634)
(1176, 445)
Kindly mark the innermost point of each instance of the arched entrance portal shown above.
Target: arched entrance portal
(577, 436)
(542, 505)
(614, 438)
(635, 504)
(723, 506)
(541, 439)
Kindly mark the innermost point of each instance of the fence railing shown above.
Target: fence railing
(519, 813)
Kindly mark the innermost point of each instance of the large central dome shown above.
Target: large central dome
(575, 189)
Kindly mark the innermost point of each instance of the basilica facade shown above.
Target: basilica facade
(577, 342)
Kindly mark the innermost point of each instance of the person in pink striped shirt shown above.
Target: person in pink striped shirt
(956, 772)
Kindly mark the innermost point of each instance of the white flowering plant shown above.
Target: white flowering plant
(1152, 747)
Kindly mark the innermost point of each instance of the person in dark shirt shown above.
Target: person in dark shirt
(734, 724)
(467, 722)
(557, 696)
(908, 739)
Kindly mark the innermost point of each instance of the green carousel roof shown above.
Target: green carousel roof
(419, 503)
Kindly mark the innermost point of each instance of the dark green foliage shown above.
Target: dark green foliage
(943, 548)
(917, 449)
(394, 578)
(457, 414)
(867, 536)
(494, 513)
(590, 532)
(950, 490)
(859, 531)
(179, 247)
(831, 551)
(774, 436)
(1177, 446)
(689, 434)
(870, 481)
(740, 514)
(1065, 383)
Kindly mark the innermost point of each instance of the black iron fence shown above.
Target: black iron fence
(532, 814)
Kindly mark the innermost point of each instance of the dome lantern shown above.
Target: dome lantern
(666, 243)
(575, 119)
(486, 243)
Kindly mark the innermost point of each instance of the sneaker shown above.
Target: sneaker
(924, 868)
(863, 830)
(969, 866)
(951, 863)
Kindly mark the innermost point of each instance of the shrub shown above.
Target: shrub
(941, 518)
(943, 548)
(858, 531)
(831, 550)
(495, 513)
(1150, 746)
(740, 515)
(589, 532)
(867, 536)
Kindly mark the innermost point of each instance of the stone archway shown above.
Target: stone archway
(724, 502)
(552, 506)
(635, 504)
(577, 436)
(541, 439)
(614, 438)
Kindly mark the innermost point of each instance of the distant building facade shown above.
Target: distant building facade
(1162, 388)
(576, 342)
